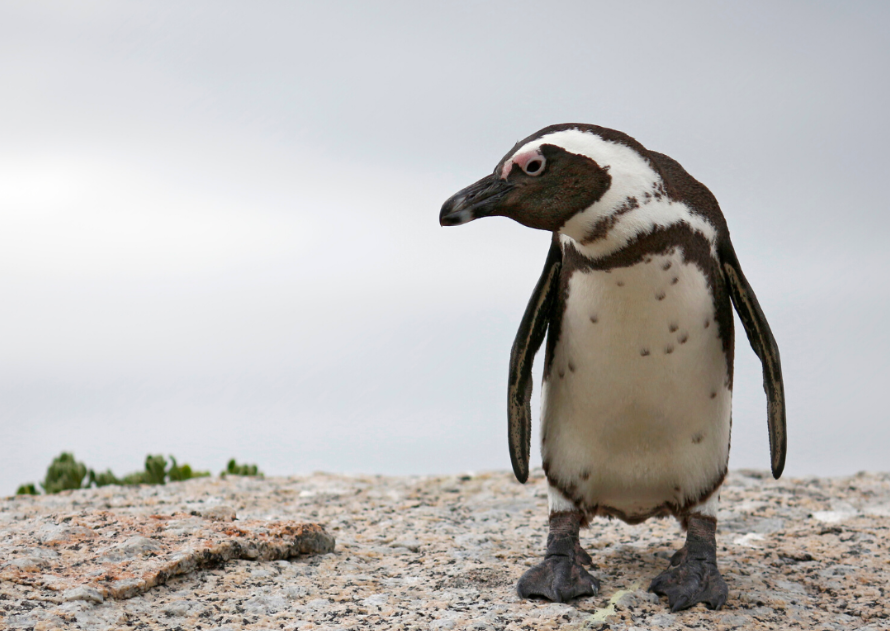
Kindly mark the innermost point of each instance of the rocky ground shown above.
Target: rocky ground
(425, 553)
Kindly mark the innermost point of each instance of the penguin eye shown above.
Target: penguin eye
(534, 167)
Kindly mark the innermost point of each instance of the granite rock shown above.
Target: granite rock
(426, 553)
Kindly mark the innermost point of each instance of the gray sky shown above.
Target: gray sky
(219, 235)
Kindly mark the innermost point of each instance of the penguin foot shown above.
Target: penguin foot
(691, 581)
(561, 576)
(693, 576)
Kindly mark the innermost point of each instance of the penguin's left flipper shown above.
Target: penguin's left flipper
(528, 340)
(761, 338)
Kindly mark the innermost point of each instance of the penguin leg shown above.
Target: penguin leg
(693, 576)
(561, 576)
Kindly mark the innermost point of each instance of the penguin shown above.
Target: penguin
(635, 300)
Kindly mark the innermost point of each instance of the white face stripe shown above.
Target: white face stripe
(632, 177)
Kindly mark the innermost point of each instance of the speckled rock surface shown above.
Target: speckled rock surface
(441, 553)
(95, 555)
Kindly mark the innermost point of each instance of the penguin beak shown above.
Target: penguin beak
(481, 199)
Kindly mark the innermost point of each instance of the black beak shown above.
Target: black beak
(477, 200)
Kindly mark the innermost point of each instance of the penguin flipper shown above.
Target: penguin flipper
(761, 338)
(528, 340)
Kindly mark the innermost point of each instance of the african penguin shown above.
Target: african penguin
(636, 302)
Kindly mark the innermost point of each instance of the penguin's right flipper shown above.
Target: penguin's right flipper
(764, 344)
(528, 340)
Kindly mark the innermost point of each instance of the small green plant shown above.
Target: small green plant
(102, 479)
(155, 469)
(27, 489)
(178, 474)
(64, 473)
(233, 468)
(156, 472)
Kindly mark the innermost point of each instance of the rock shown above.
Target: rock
(220, 512)
(634, 599)
(143, 552)
(661, 620)
(132, 547)
(181, 607)
(83, 593)
(408, 543)
(375, 600)
(318, 604)
(426, 553)
(28, 564)
(54, 534)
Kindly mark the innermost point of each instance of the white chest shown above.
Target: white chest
(636, 407)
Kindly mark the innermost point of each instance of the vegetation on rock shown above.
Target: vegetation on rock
(233, 468)
(66, 473)
(27, 489)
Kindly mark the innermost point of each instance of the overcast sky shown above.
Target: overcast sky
(219, 221)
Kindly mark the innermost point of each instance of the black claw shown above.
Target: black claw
(581, 555)
(561, 576)
(693, 576)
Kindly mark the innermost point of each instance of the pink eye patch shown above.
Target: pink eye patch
(522, 161)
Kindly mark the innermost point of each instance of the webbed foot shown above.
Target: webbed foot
(561, 576)
(693, 576)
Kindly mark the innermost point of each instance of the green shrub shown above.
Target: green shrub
(233, 468)
(132, 479)
(64, 473)
(27, 489)
(156, 472)
(155, 469)
(177, 473)
(102, 479)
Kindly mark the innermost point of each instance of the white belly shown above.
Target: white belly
(636, 407)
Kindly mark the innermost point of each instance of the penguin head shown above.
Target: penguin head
(563, 178)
